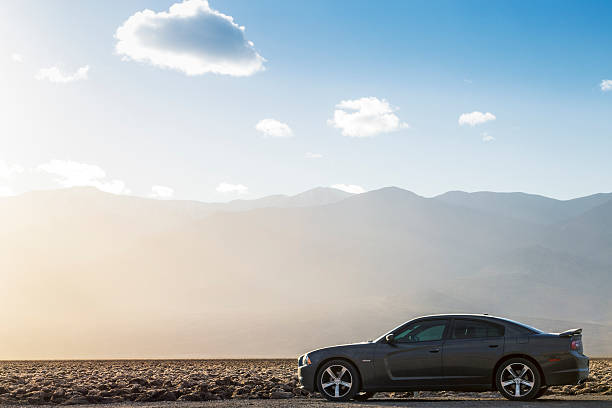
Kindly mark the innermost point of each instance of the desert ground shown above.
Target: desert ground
(232, 383)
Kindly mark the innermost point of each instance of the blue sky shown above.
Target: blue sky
(537, 67)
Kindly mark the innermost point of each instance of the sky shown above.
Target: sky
(229, 99)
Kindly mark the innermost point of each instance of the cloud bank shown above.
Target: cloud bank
(8, 170)
(606, 85)
(349, 188)
(190, 37)
(487, 137)
(6, 191)
(475, 118)
(162, 192)
(72, 174)
(54, 74)
(310, 155)
(366, 117)
(232, 188)
(273, 128)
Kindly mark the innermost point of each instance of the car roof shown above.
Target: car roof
(481, 316)
(460, 315)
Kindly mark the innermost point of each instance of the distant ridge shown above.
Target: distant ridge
(528, 207)
(313, 197)
(284, 274)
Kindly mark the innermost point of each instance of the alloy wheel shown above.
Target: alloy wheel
(517, 379)
(336, 381)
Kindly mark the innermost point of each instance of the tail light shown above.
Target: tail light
(576, 345)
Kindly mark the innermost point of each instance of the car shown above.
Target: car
(458, 352)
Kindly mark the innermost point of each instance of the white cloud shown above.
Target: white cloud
(17, 57)
(190, 37)
(487, 137)
(7, 171)
(606, 85)
(6, 191)
(273, 128)
(162, 192)
(475, 118)
(232, 188)
(71, 174)
(313, 155)
(54, 74)
(349, 188)
(366, 117)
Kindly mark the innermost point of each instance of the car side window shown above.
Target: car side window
(475, 329)
(424, 330)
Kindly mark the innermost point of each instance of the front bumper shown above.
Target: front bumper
(306, 377)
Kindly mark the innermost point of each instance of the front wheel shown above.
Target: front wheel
(337, 380)
(518, 379)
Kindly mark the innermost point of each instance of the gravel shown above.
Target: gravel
(188, 382)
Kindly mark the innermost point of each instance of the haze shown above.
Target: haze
(87, 274)
(255, 179)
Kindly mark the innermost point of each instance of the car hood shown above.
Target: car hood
(342, 347)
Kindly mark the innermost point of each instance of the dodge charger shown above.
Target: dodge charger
(448, 352)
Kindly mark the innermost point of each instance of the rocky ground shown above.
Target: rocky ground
(125, 381)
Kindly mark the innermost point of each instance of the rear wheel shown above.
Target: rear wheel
(338, 380)
(363, 396)
(518, 379)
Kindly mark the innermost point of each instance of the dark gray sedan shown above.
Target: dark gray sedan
(449, 352)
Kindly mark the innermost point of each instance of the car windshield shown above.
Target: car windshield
(379, 338)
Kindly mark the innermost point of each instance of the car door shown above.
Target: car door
(414, 358)
(471, 351)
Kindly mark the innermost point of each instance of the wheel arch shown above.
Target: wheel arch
(328, 359)
(517, 355)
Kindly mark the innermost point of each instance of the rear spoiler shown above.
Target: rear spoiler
(570, 333)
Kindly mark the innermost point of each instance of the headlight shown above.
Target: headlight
(305, 360)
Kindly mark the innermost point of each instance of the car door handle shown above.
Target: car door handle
(434, 350)
(493, 345)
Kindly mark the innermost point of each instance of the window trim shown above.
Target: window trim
(486, 321)
(445, 334)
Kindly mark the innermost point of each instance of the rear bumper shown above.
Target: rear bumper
(306, 377)
(569, 374)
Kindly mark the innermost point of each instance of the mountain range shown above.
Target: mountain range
(86, 274)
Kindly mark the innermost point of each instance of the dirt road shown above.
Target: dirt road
(233, 383)
(576, 401)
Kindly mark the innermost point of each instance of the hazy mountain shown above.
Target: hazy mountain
(90, 202)
(528, 207)
(88, 274)
(589, 234)
(316, 196)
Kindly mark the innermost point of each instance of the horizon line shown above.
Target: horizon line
(46, 190)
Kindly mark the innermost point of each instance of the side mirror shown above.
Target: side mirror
(390, 338)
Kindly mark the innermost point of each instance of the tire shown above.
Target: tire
(541, 392)
(338, 380)
(363, 396)
(518, 379)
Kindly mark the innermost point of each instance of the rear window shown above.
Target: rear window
(475, 329)
(523, 328)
